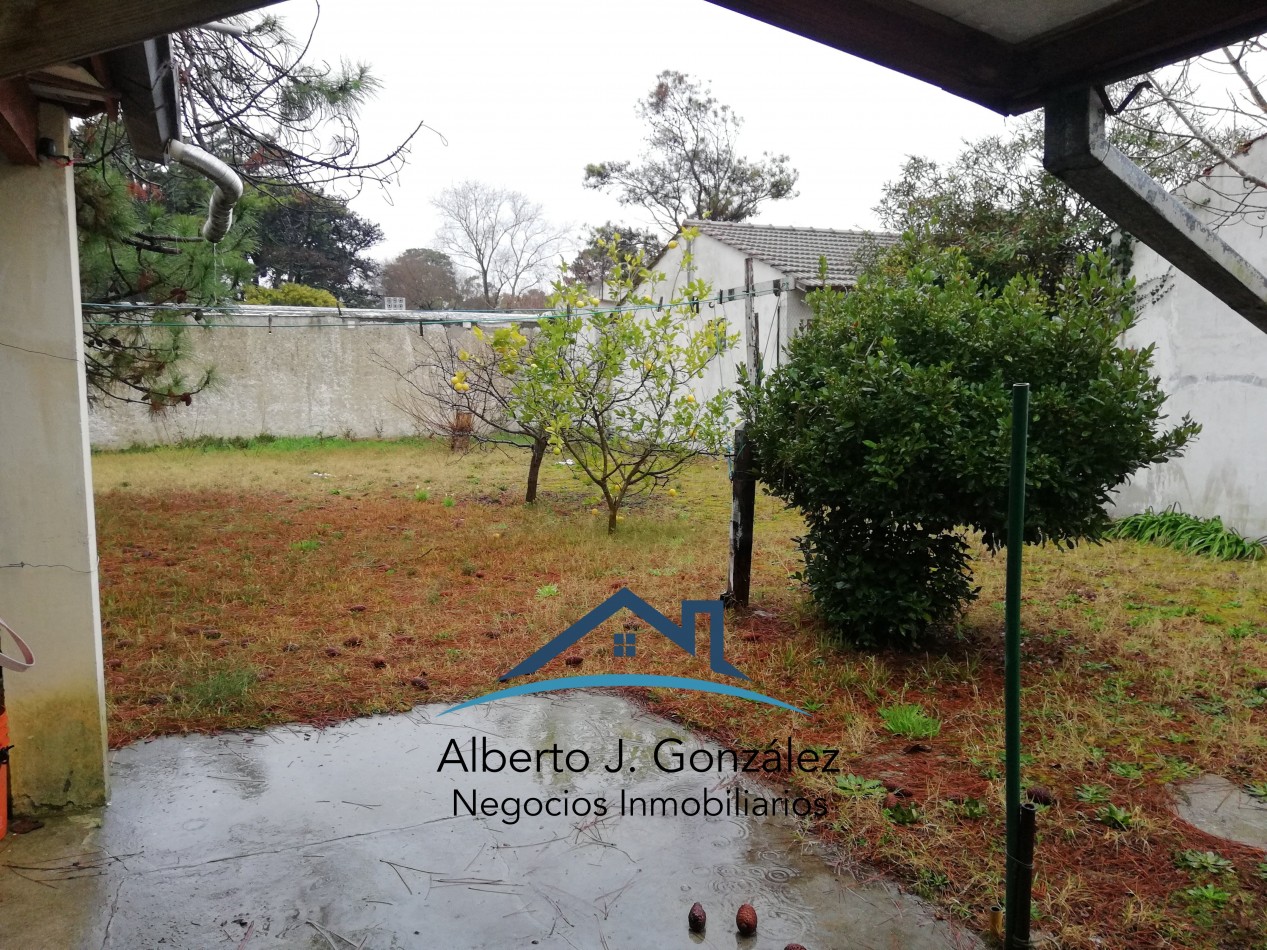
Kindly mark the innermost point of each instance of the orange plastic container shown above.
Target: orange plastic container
(8, 662)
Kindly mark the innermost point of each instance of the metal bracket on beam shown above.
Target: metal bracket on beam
(1077, 151)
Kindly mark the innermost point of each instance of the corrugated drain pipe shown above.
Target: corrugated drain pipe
(228, 187)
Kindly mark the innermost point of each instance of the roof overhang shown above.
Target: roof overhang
(38, 33)
(87, 56)
(1014, 56)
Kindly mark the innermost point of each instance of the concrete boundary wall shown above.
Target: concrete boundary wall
(318, 375)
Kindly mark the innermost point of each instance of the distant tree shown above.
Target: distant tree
(534, 298)
(591, 266)
(1010, 217)
(290, 295)
(998, 206)
(287, 125)
(317, 240)
(690, 168)
(255, 97)
(500, 235)
(425, 278)
(138, 241)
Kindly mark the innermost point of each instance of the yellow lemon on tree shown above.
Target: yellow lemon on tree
(671, 245)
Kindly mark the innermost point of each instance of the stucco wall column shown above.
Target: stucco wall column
(48, 545)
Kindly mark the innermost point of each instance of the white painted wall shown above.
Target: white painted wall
(1212, 364)
(778, 317)
(48, 545)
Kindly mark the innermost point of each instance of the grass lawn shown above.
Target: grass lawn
(307, 580)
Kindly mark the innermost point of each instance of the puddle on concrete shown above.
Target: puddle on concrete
(1219, 807)
(209, 839)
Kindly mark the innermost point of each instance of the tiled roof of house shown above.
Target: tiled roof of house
(796, 251)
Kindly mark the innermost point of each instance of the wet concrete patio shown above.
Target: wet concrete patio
(1218, 807)
(347, 837)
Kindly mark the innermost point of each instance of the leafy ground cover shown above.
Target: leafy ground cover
(311, 580)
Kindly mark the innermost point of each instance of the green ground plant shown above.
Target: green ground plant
(1205, 536)
(1204, 861)
(855, 786)
(910, 721)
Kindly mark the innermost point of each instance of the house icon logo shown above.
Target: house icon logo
(625, 646)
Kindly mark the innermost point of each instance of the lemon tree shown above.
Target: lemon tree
(486, 379)
(616, 386)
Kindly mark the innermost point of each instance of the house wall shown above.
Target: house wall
(722, 266)
(1212, 364)
(48, 561)
(317, 375)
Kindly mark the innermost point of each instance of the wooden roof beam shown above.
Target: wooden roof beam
(19, 123)
(37, 33)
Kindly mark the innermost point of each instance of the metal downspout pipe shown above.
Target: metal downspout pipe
(228, 187)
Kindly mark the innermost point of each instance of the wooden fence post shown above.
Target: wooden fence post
(743, 487)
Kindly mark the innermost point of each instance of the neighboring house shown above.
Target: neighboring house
(1212, 364)
(785, 267)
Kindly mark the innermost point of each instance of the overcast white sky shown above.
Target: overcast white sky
(527, 93)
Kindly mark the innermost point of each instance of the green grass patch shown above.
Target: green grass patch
(220, 690)
(909, 720)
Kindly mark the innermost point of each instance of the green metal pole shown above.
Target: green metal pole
(1012, 649)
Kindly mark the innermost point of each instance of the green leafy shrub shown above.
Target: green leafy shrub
(903, 813)
(1206, 536)
(1208, 895)
(889, 428)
